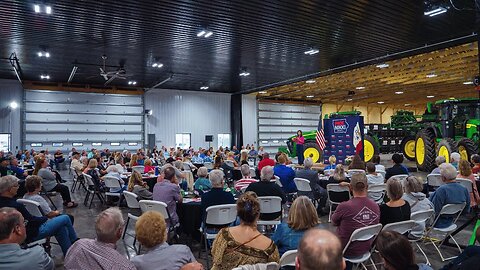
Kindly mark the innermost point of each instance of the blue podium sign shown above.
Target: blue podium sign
(344, 137)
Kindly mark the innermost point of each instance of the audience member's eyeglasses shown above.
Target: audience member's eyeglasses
(25, 222)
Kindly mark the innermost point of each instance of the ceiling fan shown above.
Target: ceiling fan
(109, 76)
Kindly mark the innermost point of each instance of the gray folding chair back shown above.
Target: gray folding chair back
(360, 235)
(465, 183)
(302, 184)
(132, 200)
(288, 258)
(149, 205)
(402, 227)
(331, 190)
(33, 207)
(140, 169)
(400, 177)
(377, 192)
(434, 180)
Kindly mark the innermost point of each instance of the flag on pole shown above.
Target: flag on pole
(320, 135)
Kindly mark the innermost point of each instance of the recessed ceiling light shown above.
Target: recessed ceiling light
(48, 9)
(431, 75)
(430, 96)
(310, 96)
(262, 92)
(360, 87)
(407, 104)
(36, 8)
(399, 92)
(312, 51)
(132, 82)
(384, 65)
(310, 81)
(44, 77)
(467, 83)
(204, 88)
(380, 102)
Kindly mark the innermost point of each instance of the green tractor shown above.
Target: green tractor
(451, 125)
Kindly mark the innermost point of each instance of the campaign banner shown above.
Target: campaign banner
(344, 137)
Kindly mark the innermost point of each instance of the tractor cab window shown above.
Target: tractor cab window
(444, 113)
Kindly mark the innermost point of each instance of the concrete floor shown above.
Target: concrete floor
(85, 217)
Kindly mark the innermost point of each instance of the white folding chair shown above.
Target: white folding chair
(400, 177)
(132, 203)
(34, 209)
(92, 191)
(113, 182)
(230, 163)
(421, 218)
(270, 205)
(434, 180)
(402, 227)
(465, 183)
(217, 215)
(161, 207)
(335, 188)
(288, 258)
(208, 165)
(377, 192)
(303, 185)
(264, 266)
(140, 169)
(355, 171)
(360, 235)
(252, 173)
(277, 181)
(328, 172)
(454, 210)
(382, 172)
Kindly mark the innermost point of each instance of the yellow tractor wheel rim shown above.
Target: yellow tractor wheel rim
(420, 151)
(463, 152)
(409, 148)
(312, 153)
(443, 151)
(369, 150)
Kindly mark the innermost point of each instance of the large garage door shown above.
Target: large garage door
(279, 121)
(62, 120)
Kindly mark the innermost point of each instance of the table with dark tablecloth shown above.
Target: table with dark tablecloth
(190, 218)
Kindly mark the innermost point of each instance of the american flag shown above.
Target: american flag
(320, 135)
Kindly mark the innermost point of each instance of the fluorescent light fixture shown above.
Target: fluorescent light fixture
(407, 104)
(47, 54)
(40, 54)
(36, 8)
(132, 82)
(264, 141)
(244, 73)
(384, 65)
(467, 83)
(57, 144)
(312, 51)
(97, 144)
(115, 144)
(45, 77)
(310, 81)
(262, 92)
(154, 65)
(36, 144)
(13, 105)
(349, 99)
(275, 141)
(48, 9)
(431, 75)
(399, 92)
(132, 144)
(310, 96)
(208, 34)
(157, 65)
(77, 144)
(451, 98)
(380, 102)
(204, 88)
(201, 33)
(43, 54)
(430, 96)
(435, 12)
(360, 87)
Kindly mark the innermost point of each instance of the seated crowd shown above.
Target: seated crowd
(220, 178)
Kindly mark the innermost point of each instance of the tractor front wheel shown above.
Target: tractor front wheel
(446, 147)
(371, 148)
(408, 147)
(312, 150)
(466, 148)
(425, 150)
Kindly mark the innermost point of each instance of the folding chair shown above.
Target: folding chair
(92, 191)
(381, 172)
(217, 215)
(208, 165)
(328, 172)
(277, 181)
(400, 177)
(269, 205)
(34, 209)
(449, 209)
(361, 235)
(230, 163)
(303, 186)
(264, 266)
(140, 169)
(377, 192)
(434, 180)
(78, 181)
(331, 190)
(48, 195)
(288, 258)
(402, 227)
(132, 203)
(113, 182)
(161, 207)
(465, 183)
(421, 218)
(355, 171)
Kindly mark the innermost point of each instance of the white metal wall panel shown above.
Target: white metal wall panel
(279, 121)
(196, 113)
(81, 117)
(249, 119)
(10, 119)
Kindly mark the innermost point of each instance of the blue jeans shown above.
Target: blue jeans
(467, 253)
(60, 227)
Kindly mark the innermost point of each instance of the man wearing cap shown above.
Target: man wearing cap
(4, 166)
(358, 212)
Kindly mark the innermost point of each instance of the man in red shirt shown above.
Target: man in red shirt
(266, 161)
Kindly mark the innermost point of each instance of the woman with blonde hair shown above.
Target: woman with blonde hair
(302, 216)
(140, 188)
(134, 160)
(148, 167)
(243, 157)
(243, 244)
(465, 172)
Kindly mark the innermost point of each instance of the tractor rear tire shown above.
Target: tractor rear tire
(408, 147)
(312, 150)
(425, 150)
(466, 148)
(370, 147)
(446, 147)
